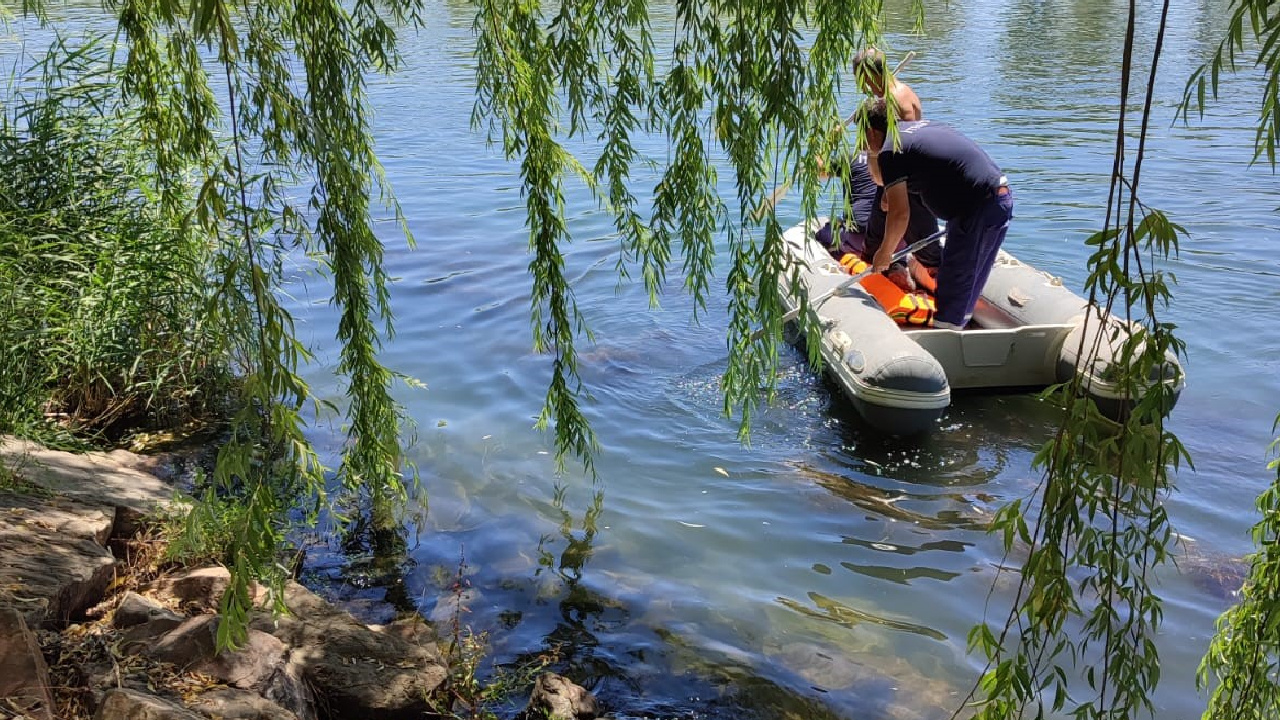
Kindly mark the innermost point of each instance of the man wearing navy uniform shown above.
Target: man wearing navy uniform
(959, 183)
(863, 225)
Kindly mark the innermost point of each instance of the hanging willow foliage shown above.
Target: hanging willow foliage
(283, 106)
(1242, 664)
(737, 85)
(1085, 603)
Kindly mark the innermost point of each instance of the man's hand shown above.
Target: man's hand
(884, 257)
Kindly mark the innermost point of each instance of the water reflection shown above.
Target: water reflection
(582, 611)
(765, 581)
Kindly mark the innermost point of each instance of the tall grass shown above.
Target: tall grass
(103, 303)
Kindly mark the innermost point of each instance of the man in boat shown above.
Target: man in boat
(863, 224)
(868, 68)
(959, 183)
(862, 192)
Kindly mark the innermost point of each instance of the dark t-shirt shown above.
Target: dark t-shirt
(859, 189)
(920, 225)
(950, 173)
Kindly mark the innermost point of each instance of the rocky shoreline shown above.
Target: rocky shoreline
(87, 632)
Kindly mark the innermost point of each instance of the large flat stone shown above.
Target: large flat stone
(94, 478)
(261, 665)
(356, 671)
(122, 704)
(198, 589)
(135, 609)
(234, 704)
(49, 575)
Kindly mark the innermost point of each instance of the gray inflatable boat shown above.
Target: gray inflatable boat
(1027, 332)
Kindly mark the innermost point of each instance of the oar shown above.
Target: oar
(817, 302)
(781, 191)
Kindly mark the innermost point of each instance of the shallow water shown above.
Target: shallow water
(821, 570)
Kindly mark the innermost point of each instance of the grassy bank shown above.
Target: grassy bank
(104, 321)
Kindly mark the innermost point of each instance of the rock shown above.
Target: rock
(187, 645)
(50, 576)
(93, 478)
(261, 665)
(52, 534)
(121, 704)
(1221, 576)
(451, 606)
(24, 676)
(413, 630)
(356, 671)
(200, 589)
(65, 516)
(147, 633)
(823, 667)
(135, 609)
(234, 704)
(556, 698)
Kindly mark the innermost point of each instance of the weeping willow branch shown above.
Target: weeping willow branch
(738, 83)
(312, 130)
(1242, 664)
(1080, 634)
(1243, 661)
(1261, 32)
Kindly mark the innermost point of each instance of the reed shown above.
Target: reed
(102, 301)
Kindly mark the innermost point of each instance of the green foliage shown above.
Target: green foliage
(240, 137)
(290, 112)
(1242, 664)
(101, 297)
(468, 693)
(1253, 27)
(1243, 661)
(738, 85)
(1080, 635)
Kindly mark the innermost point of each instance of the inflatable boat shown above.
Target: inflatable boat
(1028, 331)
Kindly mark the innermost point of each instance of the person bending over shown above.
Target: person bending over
(869, 69)
(959, 183)
(863, 223)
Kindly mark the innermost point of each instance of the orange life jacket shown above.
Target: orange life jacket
(905, 308)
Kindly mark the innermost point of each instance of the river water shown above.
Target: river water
(818, 570)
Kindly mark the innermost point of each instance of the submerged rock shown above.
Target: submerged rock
(823, 667)
(555, 697)
(1215, 573)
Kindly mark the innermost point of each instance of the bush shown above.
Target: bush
(103, 301)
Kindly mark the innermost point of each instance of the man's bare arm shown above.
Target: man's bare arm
(873, 167)
(897, 215)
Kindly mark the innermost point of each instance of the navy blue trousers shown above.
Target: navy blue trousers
(850, 241)
(972, 244)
